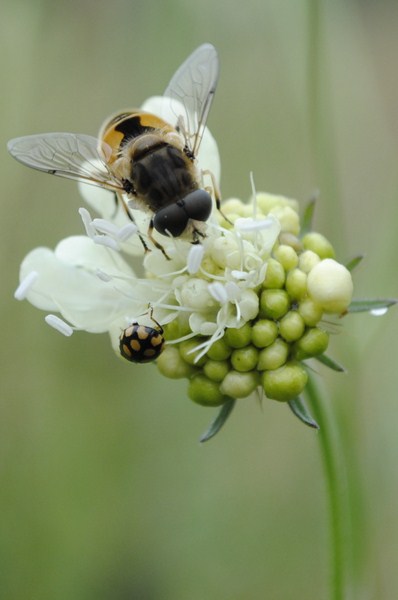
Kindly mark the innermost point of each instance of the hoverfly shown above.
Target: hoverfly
(146, 161)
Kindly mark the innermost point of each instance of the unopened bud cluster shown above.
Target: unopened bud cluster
(302, 283)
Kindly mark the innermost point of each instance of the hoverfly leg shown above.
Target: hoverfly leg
(215, 191)
(116, 202)
(154, 242)
(196, 235)
(119, 200)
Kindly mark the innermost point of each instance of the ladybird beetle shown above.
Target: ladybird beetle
(141, 343)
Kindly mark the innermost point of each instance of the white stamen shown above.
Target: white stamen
(205, 346)
(59, 325)
(182, 339)
(248, 224)
(104, 226)
(104, 240)
(240, 274)
(195, 257)
(87, 222)
(254, 194)
(379, 312)
(103, 276)
(238, 311)
(218, 291)
(127, 231)
(175, 307)
(25, 285)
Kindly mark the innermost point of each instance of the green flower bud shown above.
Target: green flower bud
(308, 260)
(296, 284)
(176, 329)
(292, 326)
(188, 354)
(264, 333)
(274, 356)
(220, 350)
(330, 285)
(232, 205)
(285, 383)
(266, 202)
(310, 311)
(240, 385)
(232, 217)
(314, 342)
(274, 303)
(288, 218)
(275, 275)
(204, 391)
(244, 359)
(286, 256)
(247, 210)
(170, 364)
(318, 244)
(238, 338)
(216, 370)
(289, 239)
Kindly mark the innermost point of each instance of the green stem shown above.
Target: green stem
(336, 482)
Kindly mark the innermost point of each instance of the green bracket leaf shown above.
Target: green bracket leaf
(330, 362)
(219, 421)
(370, 305)
(306, 221)
(354, 262)
(299, 409)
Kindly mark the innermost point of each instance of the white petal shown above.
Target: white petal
(201, 326)
(104, 203)
(80, 251)
(67, 282)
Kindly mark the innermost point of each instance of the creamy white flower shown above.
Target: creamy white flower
(89, 280)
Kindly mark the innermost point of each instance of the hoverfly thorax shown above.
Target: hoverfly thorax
(160, 172)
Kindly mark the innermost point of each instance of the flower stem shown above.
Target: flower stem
(336, 481)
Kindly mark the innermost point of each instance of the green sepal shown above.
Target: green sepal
(330, 362)
(306, 221)
(298, 408)
(354, 262)
(369, 305)
(219, 421)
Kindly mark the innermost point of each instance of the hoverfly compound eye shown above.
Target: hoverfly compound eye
(172, 219)
(198, 205)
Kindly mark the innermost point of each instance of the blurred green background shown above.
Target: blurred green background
(106, 493)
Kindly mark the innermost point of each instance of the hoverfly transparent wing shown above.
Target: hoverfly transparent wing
(71, 155)
(191, 91)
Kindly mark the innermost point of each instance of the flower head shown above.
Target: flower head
(237, 298)
(240, 311)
